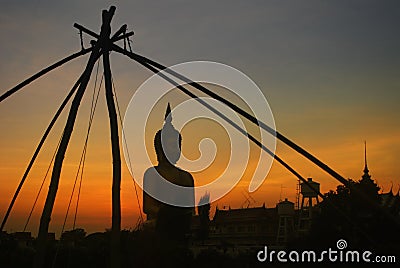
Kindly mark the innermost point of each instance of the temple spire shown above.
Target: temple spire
(365, 156)
(366, 171)
(167, 118)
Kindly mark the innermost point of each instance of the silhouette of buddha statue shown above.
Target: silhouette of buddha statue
(172, 222)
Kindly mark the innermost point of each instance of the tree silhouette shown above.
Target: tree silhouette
(344, 216)
(204, 214)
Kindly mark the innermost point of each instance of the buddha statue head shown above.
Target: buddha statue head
(167, 141)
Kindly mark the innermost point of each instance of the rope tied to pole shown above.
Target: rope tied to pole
(81, 165)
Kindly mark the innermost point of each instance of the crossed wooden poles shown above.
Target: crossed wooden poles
(101, 47)
(103, 44)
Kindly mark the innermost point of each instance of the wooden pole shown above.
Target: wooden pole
(150, 64)
(115, 251)
(40, 257)
(101, 47)
(36, 153)
(116, 156)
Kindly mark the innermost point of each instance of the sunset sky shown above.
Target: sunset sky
(329, 70)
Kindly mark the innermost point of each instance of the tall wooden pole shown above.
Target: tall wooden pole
(115, 252)
(101, 47)
(40, 257)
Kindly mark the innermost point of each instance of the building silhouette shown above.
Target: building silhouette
(309, 193)
(238, 231)
(286, 228)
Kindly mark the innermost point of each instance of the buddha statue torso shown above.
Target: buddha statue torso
(171, 219)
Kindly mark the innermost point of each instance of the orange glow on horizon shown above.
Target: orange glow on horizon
(95, 204)
(341, 150)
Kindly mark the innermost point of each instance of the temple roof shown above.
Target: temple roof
(242, 214)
